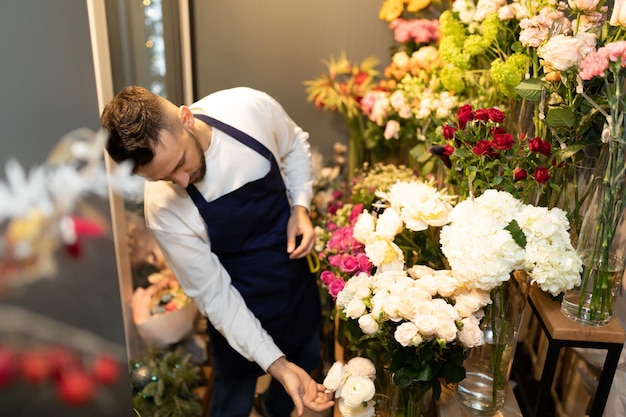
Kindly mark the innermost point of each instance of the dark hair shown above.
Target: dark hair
(134, 119)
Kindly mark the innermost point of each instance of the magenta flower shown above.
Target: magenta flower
(349, 264)
(335, 287)
(327, 277)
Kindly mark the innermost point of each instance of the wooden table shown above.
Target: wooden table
(564, 332)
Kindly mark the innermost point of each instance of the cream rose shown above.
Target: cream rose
(357, 390)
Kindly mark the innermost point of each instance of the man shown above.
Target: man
(227, 197)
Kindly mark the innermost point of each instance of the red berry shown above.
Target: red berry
(105, 369)
(8, 367)
(75, 387)
(62, 358)
(35, 366)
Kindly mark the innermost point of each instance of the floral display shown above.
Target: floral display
(163, 314)
(482, 154)
(339, 252)
(353, 386)
(40, 210)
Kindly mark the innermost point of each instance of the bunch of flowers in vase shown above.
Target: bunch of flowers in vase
(341, 90)
(602, 234)
(421, 309)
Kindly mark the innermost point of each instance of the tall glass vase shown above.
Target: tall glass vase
(488, 367)
(412, 401)
(601, 242)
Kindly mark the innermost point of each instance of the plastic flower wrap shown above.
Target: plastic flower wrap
(162, 312)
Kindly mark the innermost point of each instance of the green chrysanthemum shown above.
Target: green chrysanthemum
(508, 74)
(452, 79)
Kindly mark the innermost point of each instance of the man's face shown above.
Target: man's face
(176, 159)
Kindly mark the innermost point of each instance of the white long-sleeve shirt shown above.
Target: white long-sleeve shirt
(181, 232)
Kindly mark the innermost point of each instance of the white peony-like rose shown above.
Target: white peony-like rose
(381, 251)
(335, 377)
(364, 227)
(389, 224)
(361, 366)
(357, 390)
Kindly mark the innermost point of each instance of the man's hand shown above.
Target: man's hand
(304, 391)
(300, 225)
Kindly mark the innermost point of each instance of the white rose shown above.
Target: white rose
(355, 308)
(427, 324)
(471, 335)
(335, 377)
(361, 366)
(368, 325)
(561, 52)
(447, 330)
(392, 130)
(583, 5)
(357, 390)
(406, 334)
(618, 17)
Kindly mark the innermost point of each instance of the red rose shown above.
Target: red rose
(448, 150)
(465, 114)
(449, 131)
(519, 174)
(541, 175)
(502, 141)
(482, 147)
(496, 115)
(538, 145)
(481, 114)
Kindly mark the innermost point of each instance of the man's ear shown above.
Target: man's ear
(186, 116)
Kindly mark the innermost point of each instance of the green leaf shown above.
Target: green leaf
(518, 234)
(530, 89)
(560, 117)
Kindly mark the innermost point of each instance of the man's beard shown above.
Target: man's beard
(198, 175)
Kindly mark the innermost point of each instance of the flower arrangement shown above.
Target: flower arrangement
(44, 209)
(162, 313)
(341, 90)
(482, 154)
(340, 254)
(353, 386)
(421, 319)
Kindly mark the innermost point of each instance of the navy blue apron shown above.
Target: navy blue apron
(248, 232)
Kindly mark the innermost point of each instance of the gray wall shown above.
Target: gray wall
(47, 83)
(276, 45)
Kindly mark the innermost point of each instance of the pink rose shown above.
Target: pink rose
(349, 264)
(327, 277)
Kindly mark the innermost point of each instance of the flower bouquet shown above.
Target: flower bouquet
(163, 314)
(420, 320)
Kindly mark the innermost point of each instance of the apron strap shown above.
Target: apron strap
(237, 134)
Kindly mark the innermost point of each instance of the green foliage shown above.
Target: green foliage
(169, 392)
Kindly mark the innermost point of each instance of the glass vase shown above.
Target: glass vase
(395, 401)
(600, 243)
(488, 367)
